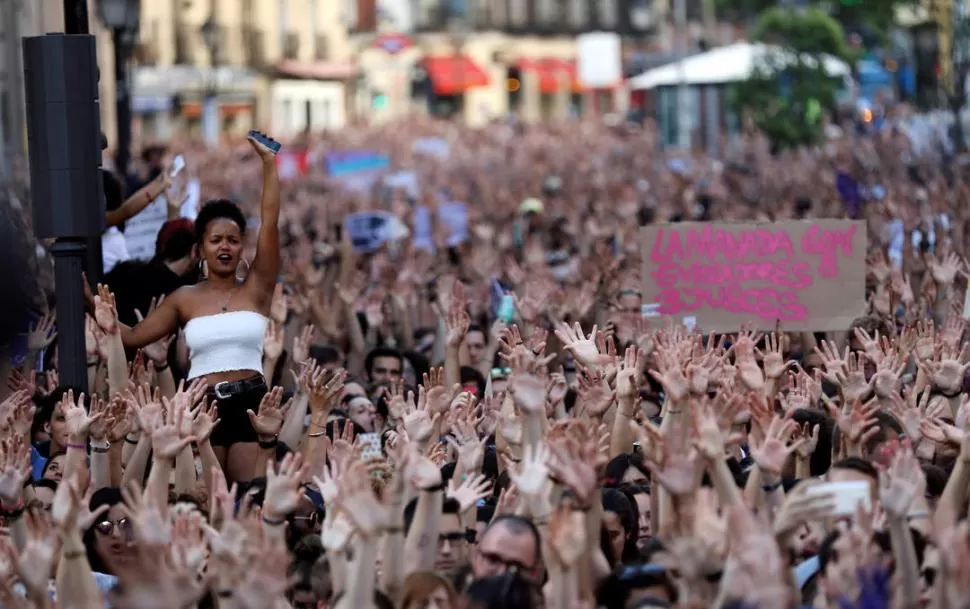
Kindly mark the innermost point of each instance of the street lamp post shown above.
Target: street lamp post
(210, 100)
(122, 17)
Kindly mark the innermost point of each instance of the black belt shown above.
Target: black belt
(223, 390)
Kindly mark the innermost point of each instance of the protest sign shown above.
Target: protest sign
(357, 169)
(369, 230)
(810, 275)
(454, 216)
(141, 231)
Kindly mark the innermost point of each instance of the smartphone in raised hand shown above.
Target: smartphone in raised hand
(268, 142)
(178, 164)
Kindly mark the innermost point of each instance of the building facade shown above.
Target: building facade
(481, 59)
(281, 65)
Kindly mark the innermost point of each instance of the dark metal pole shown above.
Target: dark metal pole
(122, 100)
(76, 22)
(69, 255)
(75, 17)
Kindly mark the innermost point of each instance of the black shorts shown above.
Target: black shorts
(234, 425)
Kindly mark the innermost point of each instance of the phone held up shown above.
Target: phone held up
(270, 144)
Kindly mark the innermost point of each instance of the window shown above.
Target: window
(669, 113)
(608, 13)
(547, 12)
(578, 14)
(498, 13)
(349, 13)
(284, 21)
(518, 13)
(287, 115)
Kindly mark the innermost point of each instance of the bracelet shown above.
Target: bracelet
(274, 522)
(770, 488)
(434, 489)
(74, 554)
(317, 434)
(101, 450)
(77, 446)
(268, 444)
(917, 515)
(130, 441)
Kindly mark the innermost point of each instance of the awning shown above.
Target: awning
(318, 70)
(453, 75)
(550, 72)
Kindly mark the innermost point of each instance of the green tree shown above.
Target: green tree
(789, 86)
(867, 16)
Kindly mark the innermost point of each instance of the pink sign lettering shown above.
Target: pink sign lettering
(750, 272)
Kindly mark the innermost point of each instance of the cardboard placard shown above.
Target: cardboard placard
(808, 274)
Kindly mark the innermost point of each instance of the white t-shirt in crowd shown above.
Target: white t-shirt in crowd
(113, 248)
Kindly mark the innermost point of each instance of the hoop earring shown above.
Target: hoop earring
(203, 269)
(245, 273)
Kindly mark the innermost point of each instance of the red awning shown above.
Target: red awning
(550, 72)
(453, 75)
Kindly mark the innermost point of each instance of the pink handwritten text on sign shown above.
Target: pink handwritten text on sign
(759, 271)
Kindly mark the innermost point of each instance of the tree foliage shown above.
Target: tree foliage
(788, 87)
(873, 17)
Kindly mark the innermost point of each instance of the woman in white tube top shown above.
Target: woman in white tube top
(225, 318)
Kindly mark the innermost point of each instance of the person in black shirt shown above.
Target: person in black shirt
(176, 263)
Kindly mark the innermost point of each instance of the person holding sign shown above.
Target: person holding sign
(224, 316)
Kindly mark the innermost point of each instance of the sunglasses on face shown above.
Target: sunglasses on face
(510, 565)
(107, 527)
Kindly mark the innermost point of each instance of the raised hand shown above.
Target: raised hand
(76, 418)
(105, 310)
(531, 476)
(14, 470)
(901, 483)
(323, 388)
(301, 345)
(773, 359)
(273, 341)
(269, 420)
(471, 489)
(35, 561)
(356, 499)
(528, 392)
(852, 379)
(418, 420)
(801, 507)
(170, 435)
(777, 446)
(278, 309)
(582, 347)
(675, 466)
(42, 333)
(283, 487)
(627, 376)
(567, 534)
(149, 524)
(204, 421)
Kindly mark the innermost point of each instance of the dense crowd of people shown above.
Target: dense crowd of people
(485, 418)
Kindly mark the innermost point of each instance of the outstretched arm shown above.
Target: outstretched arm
(266, 266)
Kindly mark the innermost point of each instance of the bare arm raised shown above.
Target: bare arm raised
(266, 265)
(161, 322)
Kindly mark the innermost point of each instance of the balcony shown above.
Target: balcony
(291, 45)
(254, 47)
(321, 47)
